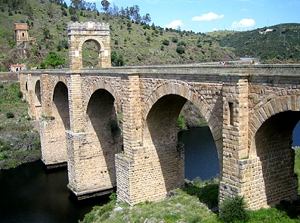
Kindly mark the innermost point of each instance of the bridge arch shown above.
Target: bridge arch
(160, 138)
(53, 127)
(104, 86)
(104, 140)
(38, 100)
(185, 91)
(60, 105)
(271, 137)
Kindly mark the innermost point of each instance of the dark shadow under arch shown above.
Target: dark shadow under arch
(102, 116)
(38, 91)
(161, 139)
(61, 103)
(273, 142)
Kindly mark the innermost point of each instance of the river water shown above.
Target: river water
(30, 193)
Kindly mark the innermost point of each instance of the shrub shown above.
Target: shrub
(166, 42)
(36, 144)
(20, 94)
(10, 115)
(4, 146)
(233, 209)
(180, 49)
(181, 122)
(182, 43)
(174, 39)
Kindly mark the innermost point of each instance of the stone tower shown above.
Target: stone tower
(79, 33)
(21, 33)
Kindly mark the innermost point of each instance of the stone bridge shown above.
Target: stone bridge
(250, 110)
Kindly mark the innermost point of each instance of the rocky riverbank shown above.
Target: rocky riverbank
(19, 141)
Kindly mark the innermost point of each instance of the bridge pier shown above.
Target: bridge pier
(93, 141)
(152, 163)
(88, 173)
(53, 143)
(235, 134)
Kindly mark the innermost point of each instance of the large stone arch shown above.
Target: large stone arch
(162, 158)
(185, 91)
(270, 149)
(268, 107)
(38, 98)
(53, 127)
(60, 104)
(81, 32)
(101, 84)
(102, 138)
(38, 92)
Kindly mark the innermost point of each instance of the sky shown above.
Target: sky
(212, 15)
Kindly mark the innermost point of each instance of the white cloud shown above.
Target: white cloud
(207, 17)
(244, 23)
(174, 24)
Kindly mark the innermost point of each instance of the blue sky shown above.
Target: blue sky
(208, 15)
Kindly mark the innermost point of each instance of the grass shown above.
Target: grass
(297, 165)
(193, 203)
(180, 206)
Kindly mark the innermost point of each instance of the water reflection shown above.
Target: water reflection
(29, 194)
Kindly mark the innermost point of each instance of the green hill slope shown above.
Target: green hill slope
(133, 43)
(275, 44)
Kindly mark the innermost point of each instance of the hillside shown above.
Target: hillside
(274, 44)
(19, 142)
(132, 42)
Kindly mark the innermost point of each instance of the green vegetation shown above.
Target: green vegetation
(233, 209)
(297, 165)
(19, 143)
(52, 60)
(133, 40)
(192, 203)
(178, 207)
(181, 122)
(274, 44)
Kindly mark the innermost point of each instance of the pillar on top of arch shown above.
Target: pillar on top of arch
(78, 33)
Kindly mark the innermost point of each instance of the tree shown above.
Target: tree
(105, 5)
(117, 60)
(53, 60)
(147, 18)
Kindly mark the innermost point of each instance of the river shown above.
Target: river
(30, 193)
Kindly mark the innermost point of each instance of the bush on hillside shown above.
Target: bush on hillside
(233, 209)
(180, 49)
